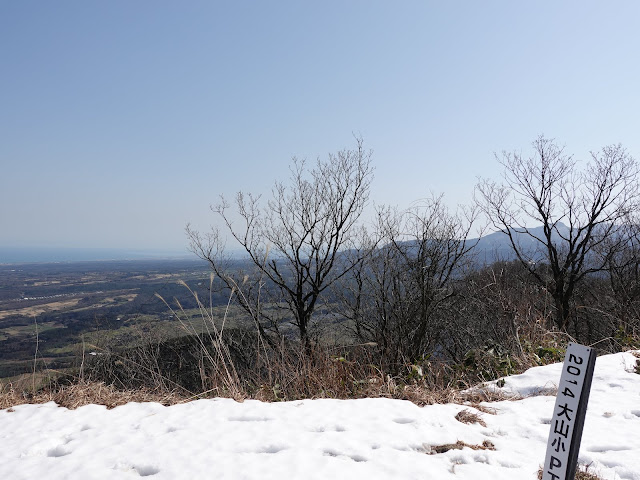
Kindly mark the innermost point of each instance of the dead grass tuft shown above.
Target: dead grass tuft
(459, 445)
(488, 393)
(584, 472)
(483, 408)
(636, 354)
(286, 374)
(84, 393)
(482, 394)
(468, 417)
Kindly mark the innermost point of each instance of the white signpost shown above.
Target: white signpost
(567, 421)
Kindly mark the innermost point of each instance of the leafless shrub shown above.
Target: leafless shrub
(400, 298)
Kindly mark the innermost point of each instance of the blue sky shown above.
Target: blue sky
(122, 121)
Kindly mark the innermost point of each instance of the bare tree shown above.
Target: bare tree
(295, 242)
(578, 211)
(399, 295)
(623, 267)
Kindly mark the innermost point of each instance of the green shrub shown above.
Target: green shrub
(550, 354)
(488, 363)
(626, 340)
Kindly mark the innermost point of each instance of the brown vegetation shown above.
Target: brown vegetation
(584, 472)
(459, 445)
(81, 393)
(36, 310)
(467, 416)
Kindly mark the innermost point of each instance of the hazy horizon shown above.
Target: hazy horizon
(17, 254)
(123, 121)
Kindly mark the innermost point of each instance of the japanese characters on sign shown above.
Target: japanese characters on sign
(568, 414)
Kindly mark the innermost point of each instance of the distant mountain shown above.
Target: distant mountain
(497, 246)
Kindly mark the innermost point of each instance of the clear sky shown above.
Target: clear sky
(121, 121)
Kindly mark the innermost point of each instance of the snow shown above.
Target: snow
(320, 439)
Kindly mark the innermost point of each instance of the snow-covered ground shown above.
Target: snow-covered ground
(323, 439)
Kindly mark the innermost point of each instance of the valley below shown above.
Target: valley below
(54, 314)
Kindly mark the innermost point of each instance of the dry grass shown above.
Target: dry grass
(584, 472)
(286, 375)
(216, 362)
(468, 417)
(290, 375)
(283, 373)
(482, 408)
(223, 364)
(459, 445)
(487, 393)
(84, 393)
(480, 394)
(637, 366)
